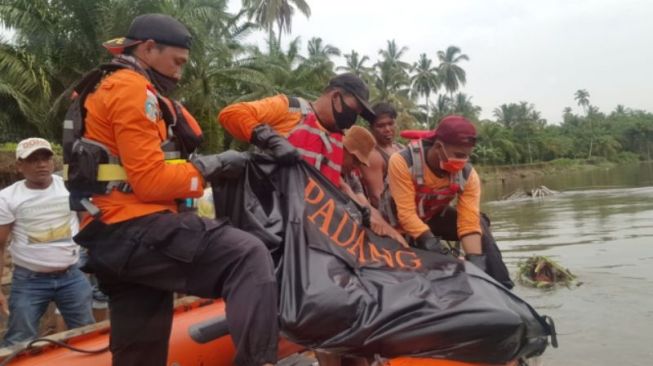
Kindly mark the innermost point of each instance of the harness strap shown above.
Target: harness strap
(115, 172)
(320, 159)
(417, 156)
(384, 154)
(299, 105)
(328, 140)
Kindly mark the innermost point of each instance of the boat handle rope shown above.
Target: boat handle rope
(47, 340)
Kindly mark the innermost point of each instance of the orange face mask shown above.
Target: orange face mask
(451, 165)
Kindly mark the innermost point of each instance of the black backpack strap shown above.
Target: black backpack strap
(405, 153)
(467, 171)
(89, 83)
(384, 155)
(461, 177)
(296, 104)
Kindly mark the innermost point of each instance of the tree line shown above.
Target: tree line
(56, 41)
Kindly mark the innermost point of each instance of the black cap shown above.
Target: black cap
(161, 28)
(355, 86)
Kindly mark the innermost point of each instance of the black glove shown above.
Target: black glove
(366, 216)
(265, 138)
(227, 165)
(430, 242)
(478, 260)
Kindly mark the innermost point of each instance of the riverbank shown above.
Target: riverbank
(510, 173)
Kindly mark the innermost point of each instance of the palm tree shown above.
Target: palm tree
(317, 49)
(620, 110)
(496, 143)
(269, 13)
(582, 97)
(441, 108)
(391, 83)
(214, 78)
(23, 88)
(56, 42)
(505, 115)
(513, 115)
(425, 80)
(462, 104)
(392, 55)
(284, 69)
(391, 79)
(451, 74)
(355, 65)
(318, 68)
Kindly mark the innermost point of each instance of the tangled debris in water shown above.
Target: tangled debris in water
(537, 192)
(543, 272)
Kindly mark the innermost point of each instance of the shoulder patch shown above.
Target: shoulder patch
(151, 106)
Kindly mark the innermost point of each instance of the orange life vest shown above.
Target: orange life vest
(428, 201)
(318, 147)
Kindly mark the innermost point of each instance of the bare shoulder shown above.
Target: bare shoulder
(376, 160)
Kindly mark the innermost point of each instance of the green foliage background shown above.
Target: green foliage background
(57, 41)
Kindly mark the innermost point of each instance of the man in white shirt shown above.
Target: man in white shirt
(35, 211)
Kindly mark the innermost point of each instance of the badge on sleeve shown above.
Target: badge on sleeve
(151, 106)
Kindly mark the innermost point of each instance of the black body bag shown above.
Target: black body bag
(345, 289)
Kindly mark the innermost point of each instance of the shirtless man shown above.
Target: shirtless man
(383, 129)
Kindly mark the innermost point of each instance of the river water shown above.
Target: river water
(601, 228)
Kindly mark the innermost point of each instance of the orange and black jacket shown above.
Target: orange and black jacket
(402, 188)
(124, 115)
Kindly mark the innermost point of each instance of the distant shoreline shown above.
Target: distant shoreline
(506, 173)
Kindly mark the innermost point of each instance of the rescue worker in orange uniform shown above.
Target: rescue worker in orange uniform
(426, 177)
(291, 128)
(140, 248)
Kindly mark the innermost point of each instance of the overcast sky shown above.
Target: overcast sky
(540, 51)
(536, 50)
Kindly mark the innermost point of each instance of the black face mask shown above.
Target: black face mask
(346, 118)
(164, 84)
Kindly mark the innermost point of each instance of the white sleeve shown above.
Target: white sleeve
(6, 213)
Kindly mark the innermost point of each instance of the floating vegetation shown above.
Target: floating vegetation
(543, 272)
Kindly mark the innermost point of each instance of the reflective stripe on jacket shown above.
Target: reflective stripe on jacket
(318, 147)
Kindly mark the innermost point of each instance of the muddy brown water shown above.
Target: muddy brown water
(600, 227)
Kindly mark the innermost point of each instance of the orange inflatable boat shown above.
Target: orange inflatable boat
(199, 337)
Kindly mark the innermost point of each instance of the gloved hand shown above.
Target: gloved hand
(430, 242)
(265, 138)
(366, 216)
(227, 165)
(478, 260)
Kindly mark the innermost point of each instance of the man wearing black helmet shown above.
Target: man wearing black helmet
(141, 249)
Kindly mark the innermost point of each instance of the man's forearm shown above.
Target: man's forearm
(471, 244)
(375, 199)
